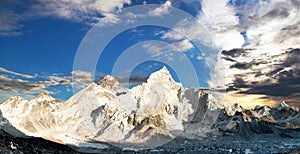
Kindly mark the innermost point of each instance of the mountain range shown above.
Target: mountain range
(143, 117)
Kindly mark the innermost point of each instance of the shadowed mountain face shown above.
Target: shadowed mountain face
(154, 114)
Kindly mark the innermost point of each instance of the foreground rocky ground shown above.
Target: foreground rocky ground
(10, 144)
(212, 144)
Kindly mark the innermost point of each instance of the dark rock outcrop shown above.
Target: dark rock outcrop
(281, 120)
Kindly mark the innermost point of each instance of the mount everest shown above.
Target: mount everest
(152, 113)
(143, 117)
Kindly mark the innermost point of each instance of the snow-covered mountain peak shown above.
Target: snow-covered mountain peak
(284, 105)
(108, 78)
(16, 98)
(163, 75)
(14, 101)
(264, 110)
(45, 97)
(111, 83)
(231, 109)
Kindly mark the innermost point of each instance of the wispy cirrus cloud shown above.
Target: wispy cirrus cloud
(17, 74)
(23, 86)
(168, 51)
(88, 12)
(38, 83)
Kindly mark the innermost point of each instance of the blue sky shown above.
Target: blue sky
(39, 41)
(44, 46)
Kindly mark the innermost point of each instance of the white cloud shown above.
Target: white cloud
(187, 28)
(60, 80)
(173, 35)
(9, 20)
(217, 72)
(217, 15)
(17, 74)
(108, 20)
(228, 39)
(194, 31)
(162, 49)
(82, 77)
(200, 57)
(170, 51)
(105, 6)
(162, 10)
(154, 49)
(183, 46)
(276, 25)
(9, 24)
(219, 18)
(272, 25)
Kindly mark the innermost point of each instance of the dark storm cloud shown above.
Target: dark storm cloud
(282, 88)
(133, 79)
(229, 59)
(282, 80)
(230, 55)
(240, 83)
(274, 71)
(239, 65)
(234, 52)
(137, 79)
(293, 58)
(258, 73)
